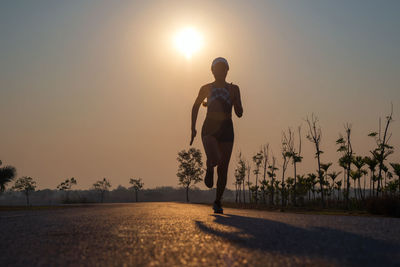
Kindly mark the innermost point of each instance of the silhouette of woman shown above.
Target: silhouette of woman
(217, 131)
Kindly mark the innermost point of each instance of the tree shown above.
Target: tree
(102, 186)
(396, 169)
(371, 163)
(137, 184)
(359, 162)
(240, 174)
(257, 159)
(296, 157)
(190, 168)
(25, 184)
(333, 175)
(325, 168)
(338, 187)
(265, 151)
(66, 186)
(7, 174)
(248, 168)
(383, 149)
(286, 144)
(346, 159)
(271, 173)
(312, 180)
(314, 136)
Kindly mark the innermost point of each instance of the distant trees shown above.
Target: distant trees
(7, 174)
(380, 178)
(66, 187)
(190, 168)
(102, 187)
(25, 184)
(354, 167)
(137, 184)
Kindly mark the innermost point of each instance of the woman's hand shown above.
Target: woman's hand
(194, 132)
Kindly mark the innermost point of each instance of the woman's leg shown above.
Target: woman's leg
(226, 151)
(212, 150)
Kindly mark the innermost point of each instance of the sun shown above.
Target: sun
(188, 41)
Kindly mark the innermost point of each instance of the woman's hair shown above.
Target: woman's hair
(219, 60)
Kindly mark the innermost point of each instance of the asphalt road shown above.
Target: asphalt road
(178, 234)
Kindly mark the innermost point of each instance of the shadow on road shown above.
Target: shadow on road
(319, 242)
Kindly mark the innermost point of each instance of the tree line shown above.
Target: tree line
(323, 185)
(27, 185)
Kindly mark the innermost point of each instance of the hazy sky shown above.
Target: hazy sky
(95, 89)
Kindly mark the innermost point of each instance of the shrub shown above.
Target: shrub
(385, 205)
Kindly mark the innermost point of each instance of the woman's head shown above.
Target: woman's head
(219, 68)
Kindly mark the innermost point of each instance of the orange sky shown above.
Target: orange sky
(98, 90)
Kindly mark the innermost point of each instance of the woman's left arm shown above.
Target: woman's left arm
(237, 104)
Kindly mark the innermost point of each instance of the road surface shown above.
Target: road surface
(179, 234)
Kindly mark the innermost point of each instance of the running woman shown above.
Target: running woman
(217, 131)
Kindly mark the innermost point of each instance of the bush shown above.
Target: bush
(385, 205)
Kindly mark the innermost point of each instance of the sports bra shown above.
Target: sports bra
(219, 100)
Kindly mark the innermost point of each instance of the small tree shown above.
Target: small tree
(271, 173)
(312, 179)
(137, 184)
(383, 149)
(190, 168)
(248, 169)
(7, 174)
(333, 175)
(102, 186)
(314, 136)
(359, 162)
(25, 184)
(324, 168)
(257, 159)
(240, 174)
(371, 163)
(265, 151)
(287, 141)
(396, 169)
(66, 186)
(296, 157)
(345, 161)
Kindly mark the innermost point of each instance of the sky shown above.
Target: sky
(93, 89)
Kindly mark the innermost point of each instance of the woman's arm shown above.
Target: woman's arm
(195, 110)
(237, 104)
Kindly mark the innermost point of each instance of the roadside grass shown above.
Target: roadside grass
(299, 210)
(35, 208)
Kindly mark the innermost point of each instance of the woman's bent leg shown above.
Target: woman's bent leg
(226, 151)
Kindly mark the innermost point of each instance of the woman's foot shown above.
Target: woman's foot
(217, 207)
(209, 178)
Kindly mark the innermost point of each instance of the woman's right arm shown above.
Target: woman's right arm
(195, 110)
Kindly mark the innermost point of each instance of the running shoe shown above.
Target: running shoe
(217, 208)
(209, 179)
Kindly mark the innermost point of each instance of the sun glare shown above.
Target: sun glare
(188, 41)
